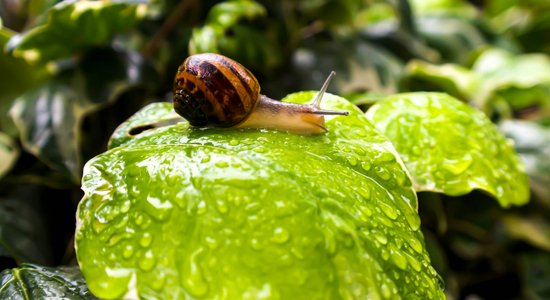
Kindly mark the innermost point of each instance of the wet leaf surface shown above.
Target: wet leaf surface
(450, 147)
(177, 211)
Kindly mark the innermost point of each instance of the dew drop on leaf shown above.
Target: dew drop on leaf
(280, 235)
(146, 240)
(147, 261)
(128, 251)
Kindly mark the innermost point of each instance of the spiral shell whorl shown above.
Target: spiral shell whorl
(213, 90)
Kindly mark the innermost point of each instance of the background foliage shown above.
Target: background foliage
(74, 70)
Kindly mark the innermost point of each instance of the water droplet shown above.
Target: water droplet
(128, 251)
(158, 283)
(211, 242)
(256, 244)
(260, 149)
(205, 158)
(457, 166)
(415, 244)
(383, 173)
(399, 259)
(125, 207)
(193, 280)
(233, 142)
(413, 262)
(201, 208)
(280, 235)
(221, 206)
(382, 239)
(221, 164)
(413, 220)
(148, 261)
(141, 220)
(366, 165)
(385, 290)
(352, 160)
(158, 209)
(146, 240)
(388, 210)
(98, 226)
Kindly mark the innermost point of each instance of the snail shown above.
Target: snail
(211, 90)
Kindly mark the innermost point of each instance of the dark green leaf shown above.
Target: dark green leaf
(73, 26)
(450, 147)
(182, 212)
(48, 120)
(23, 227)
(36, 282)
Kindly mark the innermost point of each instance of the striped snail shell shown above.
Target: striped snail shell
(211, 90)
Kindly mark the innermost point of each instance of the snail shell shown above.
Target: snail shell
(215, 91)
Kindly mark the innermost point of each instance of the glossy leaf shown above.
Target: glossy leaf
(176, 212)
(453, 79)
(72, 26)
(532, 142)
(8, 153)
(37, 282)
(450, 147)
(48, 121)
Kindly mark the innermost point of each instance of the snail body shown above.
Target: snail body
(211, 90)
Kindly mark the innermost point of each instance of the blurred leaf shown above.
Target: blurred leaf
(443, 7)
(36, 282)
(532, 142)
(450, 147)
(21, 77)
(73, 26)
(181, 202)
(520, 83)
(453, 37)
(24, 232)
(453, 79)
(229, 13)
(532, 229)
(48, 119)
(224, 32)
(360, 66)
(501, 70)
(8, 153)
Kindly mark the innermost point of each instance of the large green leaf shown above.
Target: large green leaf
(73, 26)
(176, 212)
(36, 282)
(450, 147)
